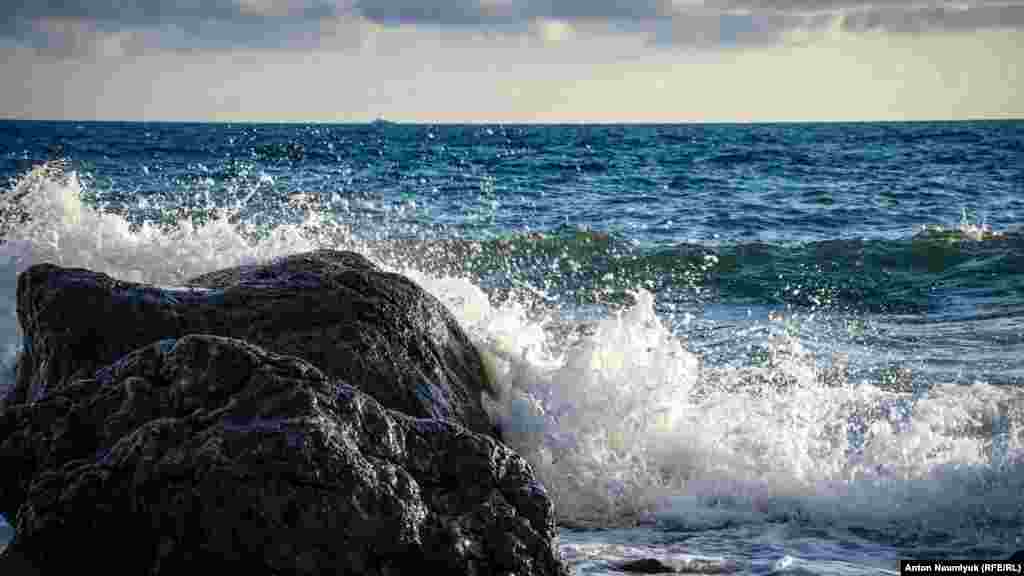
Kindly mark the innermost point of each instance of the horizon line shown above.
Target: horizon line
(386, 121)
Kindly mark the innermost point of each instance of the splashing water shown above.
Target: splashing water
(624, 425)
(621, 421)
(45, 220)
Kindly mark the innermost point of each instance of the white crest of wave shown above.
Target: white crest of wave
(590, 414)
(620, 420)
(57, 227)
(43, 219)
(623, 424)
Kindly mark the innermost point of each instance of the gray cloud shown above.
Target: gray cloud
(505, 13)
(736, 20)
(917, 20)
(67, 28)
(452, 12)
(134, 13)
(710, 29)
(895, 16)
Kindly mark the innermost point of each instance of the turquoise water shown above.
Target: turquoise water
(770, 348)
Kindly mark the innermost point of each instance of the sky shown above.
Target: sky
(511, 60)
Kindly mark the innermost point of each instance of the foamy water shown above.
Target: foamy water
(624, 425)
(623, 422)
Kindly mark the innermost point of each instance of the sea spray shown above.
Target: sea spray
(625, 426)
(623, 420)
(46, 220)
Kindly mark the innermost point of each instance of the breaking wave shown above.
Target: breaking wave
(627, 418)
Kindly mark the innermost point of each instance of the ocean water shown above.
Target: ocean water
(749, 349)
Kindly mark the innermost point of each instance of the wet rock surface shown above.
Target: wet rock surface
(378, 331)
(211, 451)
(646, 566)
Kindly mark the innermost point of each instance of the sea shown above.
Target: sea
(730, 348)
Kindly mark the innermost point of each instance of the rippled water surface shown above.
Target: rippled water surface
(742, 349)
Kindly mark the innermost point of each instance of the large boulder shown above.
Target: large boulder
(376, 330)
(211, 452)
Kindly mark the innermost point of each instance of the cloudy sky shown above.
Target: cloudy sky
(511, 60)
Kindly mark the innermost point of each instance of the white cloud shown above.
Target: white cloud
(66, 28)
(553, 31)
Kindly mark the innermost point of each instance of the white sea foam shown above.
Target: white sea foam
(624, 424)
(622, 421)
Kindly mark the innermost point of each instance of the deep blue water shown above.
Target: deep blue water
(781, 347)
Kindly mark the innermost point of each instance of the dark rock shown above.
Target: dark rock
(14, 563)
(678, 566)
(209, 451)
(378, 331)
(645, 566)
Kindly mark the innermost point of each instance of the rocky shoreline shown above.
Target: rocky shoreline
(310, 415)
